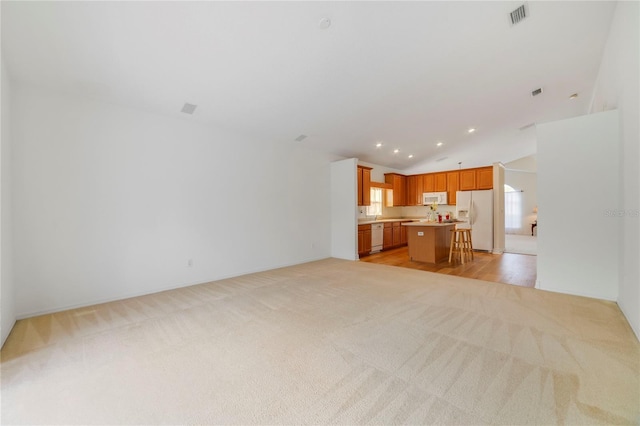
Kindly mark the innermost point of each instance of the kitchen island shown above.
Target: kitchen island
(429, 241)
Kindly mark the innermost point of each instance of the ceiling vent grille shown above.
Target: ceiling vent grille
(536, 92)
(518, 15)
(189, 108)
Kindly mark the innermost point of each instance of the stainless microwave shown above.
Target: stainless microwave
(434, 197)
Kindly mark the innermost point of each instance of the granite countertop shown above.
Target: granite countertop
(368, 222)
(425, 223)
(414, 221)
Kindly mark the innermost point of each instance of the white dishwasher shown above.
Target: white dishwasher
(377, 234)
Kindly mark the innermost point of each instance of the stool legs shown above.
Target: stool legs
(470, 245)
(458, 245)
(453, 238)
(461, 245)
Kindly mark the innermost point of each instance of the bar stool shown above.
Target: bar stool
(461, 245)
(458, 244)
(467, 245)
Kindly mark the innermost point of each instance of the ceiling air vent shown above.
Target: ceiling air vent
(536, 92)
(518, 15)
(189, 108)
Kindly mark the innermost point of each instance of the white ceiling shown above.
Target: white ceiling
(407, 74)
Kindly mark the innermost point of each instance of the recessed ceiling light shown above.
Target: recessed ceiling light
(379, 144)
(471, 130)
(410, 155)
(439, 144)
(395, 151)
(575, 95)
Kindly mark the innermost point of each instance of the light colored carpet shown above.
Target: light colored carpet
(328, 342)
(521, 244)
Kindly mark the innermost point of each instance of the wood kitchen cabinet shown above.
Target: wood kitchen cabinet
(364, 186)
(399, 183)
(484, 178)
(429, 182)
(387, 236)
(429, 243)
(411, 189)
(419, 190)
(440, 182)
(364, 240)
(403, 233)
(414, 190)
(393, 235)
(397, 234)
(452, 187)
(449, 181)
(479, 178)
(468, 179)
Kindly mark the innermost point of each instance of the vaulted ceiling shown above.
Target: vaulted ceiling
(348, 75)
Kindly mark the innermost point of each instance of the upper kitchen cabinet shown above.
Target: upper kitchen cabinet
(452, 187)
(440, 182)
(429, 182)
(399, 183)
(364, 186)
(414, 190)
(484, 178)
(468, 180)
(480, 178)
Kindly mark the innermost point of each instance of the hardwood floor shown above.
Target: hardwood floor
(507, 268)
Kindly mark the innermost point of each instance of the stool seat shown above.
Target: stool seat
(461, 245)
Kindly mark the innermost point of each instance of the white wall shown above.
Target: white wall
(344, 195)
(578, 238)
(528, 163)
(7, 311)
(618, 87)
(111, 202)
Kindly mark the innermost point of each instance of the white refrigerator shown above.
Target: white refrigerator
(475, 210)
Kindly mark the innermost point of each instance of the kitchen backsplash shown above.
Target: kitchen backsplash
(386, 212)
(422, 211)
(414, 211)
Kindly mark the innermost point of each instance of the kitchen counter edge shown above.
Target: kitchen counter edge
(430, 224)
(409, 222)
